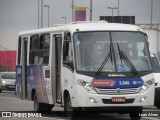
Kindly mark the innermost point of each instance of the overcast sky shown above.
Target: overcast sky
(20, 15)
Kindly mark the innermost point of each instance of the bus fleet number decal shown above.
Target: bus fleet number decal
(123, 83)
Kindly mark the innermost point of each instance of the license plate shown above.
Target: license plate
(11, 86)
(118, 99)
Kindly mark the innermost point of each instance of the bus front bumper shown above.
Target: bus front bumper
(86, 99)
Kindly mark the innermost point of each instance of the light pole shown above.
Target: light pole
(151, 12)
(48, 13)
(91, 5)
(118, 7)
(112, 8)
(72, 5)
(65, 19)
(38, 14)
(41, 13)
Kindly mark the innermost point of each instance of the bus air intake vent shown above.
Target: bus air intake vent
(118, 91)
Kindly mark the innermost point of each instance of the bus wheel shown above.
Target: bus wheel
(158, 106)
(47, 107)
(37, 105)
(41, 107)
(136, 114)
(15, 90)
(157, 98)
(69, 110)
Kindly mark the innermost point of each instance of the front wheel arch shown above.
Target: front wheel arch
(69, 110)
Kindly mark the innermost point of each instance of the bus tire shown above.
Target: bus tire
(41, 107)
(37, 105)
(15, 90)
(47, 107)
(69, 110)
(136, 113)
(0, 90)
(157, 98)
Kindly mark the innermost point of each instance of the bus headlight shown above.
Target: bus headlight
(3, 82)
(87, 86)
(146, 86)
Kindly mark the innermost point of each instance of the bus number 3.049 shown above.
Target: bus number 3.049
(123, 82)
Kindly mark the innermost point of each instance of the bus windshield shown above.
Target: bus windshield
(8, 75)
(111, 51)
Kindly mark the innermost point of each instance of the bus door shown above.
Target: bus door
(56, 67)
(24, 67)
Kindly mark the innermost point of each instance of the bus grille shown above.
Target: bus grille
(118, 91)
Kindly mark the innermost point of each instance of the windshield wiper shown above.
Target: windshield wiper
(126, 60)
(109, 55)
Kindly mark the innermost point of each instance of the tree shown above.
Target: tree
(4, 68)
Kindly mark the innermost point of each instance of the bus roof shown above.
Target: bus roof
(85, 26)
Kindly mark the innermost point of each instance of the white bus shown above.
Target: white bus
(156, 69)
(86, 67)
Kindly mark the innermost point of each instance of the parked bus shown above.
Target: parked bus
(92, 66)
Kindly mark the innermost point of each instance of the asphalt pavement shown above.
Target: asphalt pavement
(17, 109)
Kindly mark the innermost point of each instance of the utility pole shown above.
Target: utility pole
(48, 13)
(41, 13)
(151, 12)
(38, 14)
(118, 7)
(91, 4)
(112, 8)
(72, 10)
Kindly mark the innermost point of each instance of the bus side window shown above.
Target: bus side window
(67, 51)
(34, 49)
(44, 49)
